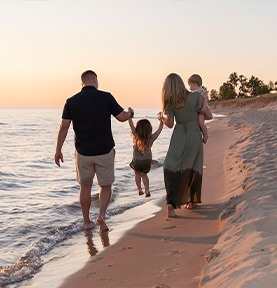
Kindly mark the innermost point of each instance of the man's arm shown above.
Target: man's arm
(61, 138)
(124, 116)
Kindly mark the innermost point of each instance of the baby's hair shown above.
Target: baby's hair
(195, 78)
(143, 135)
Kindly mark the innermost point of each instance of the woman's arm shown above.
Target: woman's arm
(208, 114)
(167, 121)
(205, 107)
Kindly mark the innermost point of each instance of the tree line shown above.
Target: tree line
(238, 86)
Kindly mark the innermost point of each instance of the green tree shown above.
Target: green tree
(271, 85)
(263, 89)
(227, 91)
(242, 86)
(257, 86)
(214, 95)
(233, 79)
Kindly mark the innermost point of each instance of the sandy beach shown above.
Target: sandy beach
(227, 241)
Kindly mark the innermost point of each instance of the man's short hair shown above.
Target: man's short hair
(195, 78)
(87, 75)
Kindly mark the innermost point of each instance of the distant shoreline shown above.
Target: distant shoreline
(256, 102)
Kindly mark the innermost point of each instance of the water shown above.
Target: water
(39, 205)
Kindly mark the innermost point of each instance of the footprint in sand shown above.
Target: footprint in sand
(169, 227)
(162, 286)
(166, 271)
(127, 247)
(174, 252)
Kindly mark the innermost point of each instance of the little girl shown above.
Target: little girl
(142, 155)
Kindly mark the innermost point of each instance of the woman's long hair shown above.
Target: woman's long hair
(143, 135)
(174, 92)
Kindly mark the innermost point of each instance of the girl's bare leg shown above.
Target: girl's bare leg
(138, 182)
(145, 181)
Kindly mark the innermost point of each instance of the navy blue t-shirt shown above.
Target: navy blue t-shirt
(90, 111)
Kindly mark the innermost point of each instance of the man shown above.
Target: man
(90, 111)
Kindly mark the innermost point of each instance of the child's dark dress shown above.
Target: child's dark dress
(142, 162)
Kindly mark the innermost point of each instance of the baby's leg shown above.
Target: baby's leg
(203, 127)
(145, 181)
(138, 182)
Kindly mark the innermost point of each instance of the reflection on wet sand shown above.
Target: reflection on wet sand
(92, 250)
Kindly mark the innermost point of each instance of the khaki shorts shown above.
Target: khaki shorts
(101, 165)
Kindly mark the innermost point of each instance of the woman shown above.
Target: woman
(183, 165)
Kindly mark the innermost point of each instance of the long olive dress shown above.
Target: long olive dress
(183, 165)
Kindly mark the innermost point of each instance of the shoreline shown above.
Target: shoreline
(167, 252)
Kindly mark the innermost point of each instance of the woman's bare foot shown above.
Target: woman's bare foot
(170, 211)
(102, 225)
(147, 193)
(189, 205)
(140, 192)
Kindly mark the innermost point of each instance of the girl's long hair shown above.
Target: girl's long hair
(174, 92)
(143, 135)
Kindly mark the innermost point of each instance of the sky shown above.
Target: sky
(132, 45)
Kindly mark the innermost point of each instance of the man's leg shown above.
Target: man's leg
(85, 201)
(104, 199)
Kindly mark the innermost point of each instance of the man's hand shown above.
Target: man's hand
(58, 158)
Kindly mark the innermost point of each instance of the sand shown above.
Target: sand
(229, 240)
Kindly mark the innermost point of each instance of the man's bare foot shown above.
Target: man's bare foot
(170, 211)
(140, 192)
(102, 225)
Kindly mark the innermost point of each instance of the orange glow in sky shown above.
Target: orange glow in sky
(131, 45)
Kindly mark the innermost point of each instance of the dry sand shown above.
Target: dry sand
(246, 252)
(228, 241)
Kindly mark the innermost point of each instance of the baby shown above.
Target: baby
(195, 84)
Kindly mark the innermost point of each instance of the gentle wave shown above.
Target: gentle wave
(29, 264)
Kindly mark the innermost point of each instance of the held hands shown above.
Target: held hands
(160, 116)
(131, 111)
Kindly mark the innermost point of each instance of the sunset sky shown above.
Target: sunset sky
(131, 44)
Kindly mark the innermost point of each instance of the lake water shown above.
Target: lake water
(39, 202)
